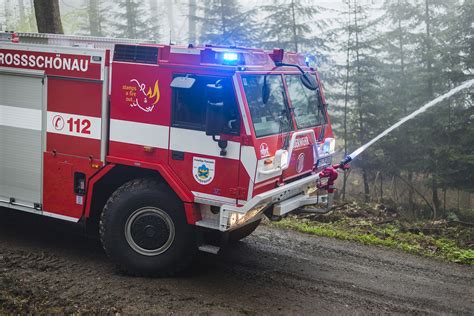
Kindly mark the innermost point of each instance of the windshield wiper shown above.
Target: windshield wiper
(306, 78)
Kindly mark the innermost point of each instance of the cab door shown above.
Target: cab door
(210, 172)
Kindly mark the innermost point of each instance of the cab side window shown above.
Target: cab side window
(189, 105)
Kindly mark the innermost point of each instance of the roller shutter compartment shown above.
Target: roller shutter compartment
(21, 108)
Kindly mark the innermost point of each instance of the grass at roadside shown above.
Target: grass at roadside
(446, 243)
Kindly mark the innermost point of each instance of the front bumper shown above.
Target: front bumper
(284, 200)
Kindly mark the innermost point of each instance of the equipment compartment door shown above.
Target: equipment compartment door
(21, 116)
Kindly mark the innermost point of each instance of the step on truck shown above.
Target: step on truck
(163, 150)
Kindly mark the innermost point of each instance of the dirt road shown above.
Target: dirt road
(47, 266)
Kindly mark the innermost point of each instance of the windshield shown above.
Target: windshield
(307, 106)
(268, 105)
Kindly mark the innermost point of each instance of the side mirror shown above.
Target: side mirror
(182, 82)
(215, 109)
(309, 81)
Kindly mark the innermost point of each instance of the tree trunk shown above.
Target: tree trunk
(429, 65)
(412, 187)
(31, 17)
(381, 188)
(366, 185)
(48, 17)
(154, 21)
(223, 20)
(404, 103)
(192, 22)
(429, 59)
(411, 195)
(459, 201)
(346, 97)
(360, 104)
(444, 199)
(131, 16)
(436, 201)
(7, 15)
(293, 23)
(21, 7)
(94, 18)
(170, 16)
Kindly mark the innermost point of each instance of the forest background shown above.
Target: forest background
(380, 60)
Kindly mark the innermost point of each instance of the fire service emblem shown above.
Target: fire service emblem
(203, 170)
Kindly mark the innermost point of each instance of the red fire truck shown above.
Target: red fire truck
(162, 149)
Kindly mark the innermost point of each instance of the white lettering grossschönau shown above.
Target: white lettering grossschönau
(301, 142)
(56, 62)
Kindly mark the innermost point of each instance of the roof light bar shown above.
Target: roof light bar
(230, 57)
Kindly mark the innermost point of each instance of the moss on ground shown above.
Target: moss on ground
(447, 243)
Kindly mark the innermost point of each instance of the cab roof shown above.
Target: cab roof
(224, 57)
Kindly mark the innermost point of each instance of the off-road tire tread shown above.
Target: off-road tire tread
(136, 185)
(243, 232)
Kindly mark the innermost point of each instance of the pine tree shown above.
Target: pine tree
(424, 51)
(224, 23)
(94, 16)
(432, 15)
(136, 21)
(364, 113)
(289, 24)
(398, 44)
(455, 37)
(192, 19)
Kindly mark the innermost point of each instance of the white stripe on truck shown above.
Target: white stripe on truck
(139, 133)
(74, 125)
(14, 116)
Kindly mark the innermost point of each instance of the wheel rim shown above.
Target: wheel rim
(149, 231)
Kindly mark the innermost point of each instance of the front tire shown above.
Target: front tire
(144, 231)
(242, 232)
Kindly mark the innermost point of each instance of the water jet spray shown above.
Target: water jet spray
(358, 151)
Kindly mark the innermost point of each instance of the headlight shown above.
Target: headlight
(329, 146)
(236, 219)
(281, 159)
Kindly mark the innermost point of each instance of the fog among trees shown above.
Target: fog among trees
(380, 60)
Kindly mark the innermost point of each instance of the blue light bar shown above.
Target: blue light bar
(231, 57)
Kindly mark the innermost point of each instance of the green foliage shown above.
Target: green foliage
(225, 23)
(73, 21)
(391, 236)
(291, 25)
(134, 19)
(423, 49)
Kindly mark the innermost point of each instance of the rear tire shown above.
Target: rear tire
(144, 231)
(243, 232)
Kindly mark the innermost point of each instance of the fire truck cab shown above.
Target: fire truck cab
(160, 148)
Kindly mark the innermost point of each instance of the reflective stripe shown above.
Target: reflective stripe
(184, 140)
(250, 190)
(62, 217)
(139, 133)
(13, 116)
(249, 160)
(198, 142)
(213, 197)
